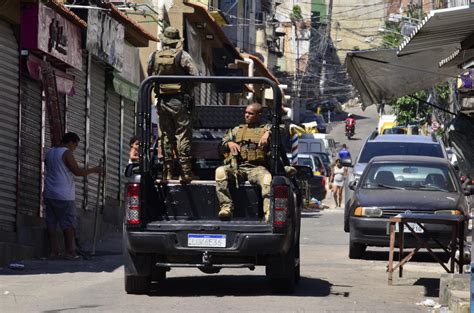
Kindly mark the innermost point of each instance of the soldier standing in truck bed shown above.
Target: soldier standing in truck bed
(246, 147)
(175, 103)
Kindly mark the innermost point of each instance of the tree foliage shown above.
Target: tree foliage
(392, 37)
(408, 109)
(296, 13)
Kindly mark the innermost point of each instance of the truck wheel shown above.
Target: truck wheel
(297, 268)
(281, 272)
(356, 250)
(158, 275)
(137, 284)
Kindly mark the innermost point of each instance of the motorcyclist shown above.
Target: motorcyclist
(350, 123)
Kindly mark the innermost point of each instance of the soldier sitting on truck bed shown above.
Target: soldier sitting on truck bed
(246, 147)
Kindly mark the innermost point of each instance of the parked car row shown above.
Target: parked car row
(396, 174)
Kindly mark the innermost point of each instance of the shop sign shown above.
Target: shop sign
(131, 60)
(105, 38)
(45, 30)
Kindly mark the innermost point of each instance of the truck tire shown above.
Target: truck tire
(298, 267)
(137, 284)
(282, 272)
(158, 275)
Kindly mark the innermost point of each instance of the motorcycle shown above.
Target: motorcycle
(349, 131)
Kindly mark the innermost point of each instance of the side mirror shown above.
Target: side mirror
(346, 162)
(353, 185)
(303, 172)
(129, 170)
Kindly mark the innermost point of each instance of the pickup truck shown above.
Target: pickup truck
(168, 224)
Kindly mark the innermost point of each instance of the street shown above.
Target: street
(330, 281)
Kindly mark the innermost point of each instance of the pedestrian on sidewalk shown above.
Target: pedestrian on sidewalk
(60, 193)
(336, 181)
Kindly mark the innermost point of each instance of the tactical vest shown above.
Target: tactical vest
(248, 139)
(167, 62)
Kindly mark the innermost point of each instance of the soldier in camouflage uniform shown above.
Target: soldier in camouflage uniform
(174, 103)
(246, 147)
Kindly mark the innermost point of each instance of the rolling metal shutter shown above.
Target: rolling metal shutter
(128, 131)
(76, 122)
(30, 178)
(97, 128)
(113, 148)
(9, 84)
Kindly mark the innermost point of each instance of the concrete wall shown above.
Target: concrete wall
(355, 24)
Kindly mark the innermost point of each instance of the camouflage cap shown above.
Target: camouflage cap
(170, 36)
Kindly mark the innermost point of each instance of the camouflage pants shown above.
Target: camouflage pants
(176, 128)
(256, 175)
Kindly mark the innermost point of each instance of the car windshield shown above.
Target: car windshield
(373, 149)
(319, 119)
(305, 162)
(317, 161)
(413, 176)
(324, 157)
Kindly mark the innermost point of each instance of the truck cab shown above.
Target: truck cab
(168, 224)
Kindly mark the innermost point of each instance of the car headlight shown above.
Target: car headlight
(368, 211)
(448, 212)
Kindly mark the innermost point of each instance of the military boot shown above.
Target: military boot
(186, 172)
(168, 170)
(225, 212)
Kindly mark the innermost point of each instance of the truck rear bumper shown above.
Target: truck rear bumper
(244, 244)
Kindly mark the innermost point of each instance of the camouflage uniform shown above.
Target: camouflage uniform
(174, 103)
(252, 167)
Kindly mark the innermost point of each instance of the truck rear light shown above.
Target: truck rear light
(323, 182)
(133, 204)
(280, 205)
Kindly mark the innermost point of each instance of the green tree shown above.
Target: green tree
(296, 13)
(392, 36)
(407, 109)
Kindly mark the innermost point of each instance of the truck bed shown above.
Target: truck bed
(196, 203)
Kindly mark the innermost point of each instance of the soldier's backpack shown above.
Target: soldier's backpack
(167, 62)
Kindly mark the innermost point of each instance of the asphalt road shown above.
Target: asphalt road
(330, 282)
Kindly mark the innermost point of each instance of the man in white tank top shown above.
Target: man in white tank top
(60, 191)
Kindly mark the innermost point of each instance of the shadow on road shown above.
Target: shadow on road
(306, 213)
(104, 261)
(237, 286)
(431, 286)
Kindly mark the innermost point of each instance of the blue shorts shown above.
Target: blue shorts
(62, 212)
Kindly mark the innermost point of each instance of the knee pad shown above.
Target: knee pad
(221, 173)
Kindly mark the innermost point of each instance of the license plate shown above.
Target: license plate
(415, 227)
(206, 240)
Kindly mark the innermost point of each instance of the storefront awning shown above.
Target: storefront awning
(382, 75)
(123, 87)
(430, 55)
(442, 30)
